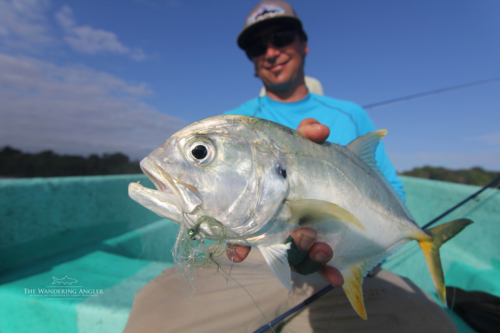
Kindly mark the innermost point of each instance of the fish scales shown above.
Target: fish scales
(262, 180)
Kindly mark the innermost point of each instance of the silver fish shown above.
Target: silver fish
(262, 180)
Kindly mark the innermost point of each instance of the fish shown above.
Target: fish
(258, 181)
(65, 280)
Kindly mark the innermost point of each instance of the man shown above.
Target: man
(275, 42)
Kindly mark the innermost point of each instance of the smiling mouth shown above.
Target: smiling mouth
(277, 66)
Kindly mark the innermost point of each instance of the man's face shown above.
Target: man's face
(280, 68)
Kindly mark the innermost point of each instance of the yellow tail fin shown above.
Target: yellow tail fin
(440, 235)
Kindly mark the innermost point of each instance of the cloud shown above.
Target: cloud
(76, 110)
(490, 139)
(23, 25)
(89, 40)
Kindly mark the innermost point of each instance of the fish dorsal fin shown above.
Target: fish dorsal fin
(308, 212)
(277, 258)
(365, 147)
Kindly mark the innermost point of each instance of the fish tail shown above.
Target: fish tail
(430, 246)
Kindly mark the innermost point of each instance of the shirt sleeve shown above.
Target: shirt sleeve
(365, 125)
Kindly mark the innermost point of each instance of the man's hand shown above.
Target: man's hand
(305, 238)
(313, 130)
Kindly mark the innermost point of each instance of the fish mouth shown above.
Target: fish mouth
(160, 179)
(172, 197)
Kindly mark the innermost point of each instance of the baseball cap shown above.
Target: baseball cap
(268, 13)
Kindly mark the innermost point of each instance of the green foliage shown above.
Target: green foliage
(14, 163)
(474, 176)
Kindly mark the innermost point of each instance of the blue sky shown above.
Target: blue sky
(103, 76)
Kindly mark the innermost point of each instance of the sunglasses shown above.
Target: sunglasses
(277, 39)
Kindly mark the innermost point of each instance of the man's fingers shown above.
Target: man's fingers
(304, 238)
(321, 252)
(237, 253)
(332, 276)
(313, 130)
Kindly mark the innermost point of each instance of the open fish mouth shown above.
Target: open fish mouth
(172, 197)
(161, 180)
(157, 183)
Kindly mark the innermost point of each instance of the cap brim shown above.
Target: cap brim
(246, 34)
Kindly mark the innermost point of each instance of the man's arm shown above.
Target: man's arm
(305, 238)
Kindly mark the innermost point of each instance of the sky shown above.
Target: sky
(96, 76)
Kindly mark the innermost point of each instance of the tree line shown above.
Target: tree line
(473, 176)
(16, 164)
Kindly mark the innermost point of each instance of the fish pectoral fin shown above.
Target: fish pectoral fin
(430, 248)
(276, 257)
(308, 212)
(353, 281)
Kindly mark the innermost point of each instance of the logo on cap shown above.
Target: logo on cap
(264, 12)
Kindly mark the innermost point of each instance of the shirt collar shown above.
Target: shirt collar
(292, 105)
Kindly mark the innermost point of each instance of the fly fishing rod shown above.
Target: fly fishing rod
(492, 184)
(429, 93)
(330, 287)
(377, 105)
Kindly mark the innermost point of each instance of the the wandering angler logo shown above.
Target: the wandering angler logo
(65, 280)
(63, 288)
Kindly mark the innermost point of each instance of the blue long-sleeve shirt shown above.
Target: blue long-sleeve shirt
(346, 121)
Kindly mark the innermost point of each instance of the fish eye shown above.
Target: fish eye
(199, 152)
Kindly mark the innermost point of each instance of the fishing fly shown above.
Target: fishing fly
(192, 251)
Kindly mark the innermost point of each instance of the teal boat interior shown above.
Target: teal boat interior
(75, 250)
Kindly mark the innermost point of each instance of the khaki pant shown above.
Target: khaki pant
(393, 304)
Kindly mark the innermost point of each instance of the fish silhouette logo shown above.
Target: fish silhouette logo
(265, 11)
(65, 280)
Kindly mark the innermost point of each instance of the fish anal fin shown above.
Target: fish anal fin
(277, 258)
(308, 212)
(430, 248)
(354, 275)
(353, 280)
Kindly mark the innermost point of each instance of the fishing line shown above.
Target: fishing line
(414, 247)
(147, 241)
(232, 260)
(453, 299)
(429, 93)
(330, 287)
(296, 308)
(491, 184)
(266, 326)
